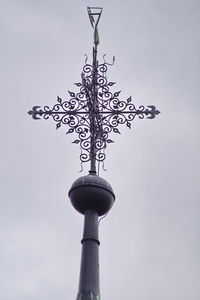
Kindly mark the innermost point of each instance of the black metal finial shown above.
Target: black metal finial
(94, 111)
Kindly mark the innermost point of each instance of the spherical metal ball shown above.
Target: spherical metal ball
(91, 192)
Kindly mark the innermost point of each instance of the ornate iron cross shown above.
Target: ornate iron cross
(94, 111)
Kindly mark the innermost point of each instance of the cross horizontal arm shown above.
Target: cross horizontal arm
(36, 112)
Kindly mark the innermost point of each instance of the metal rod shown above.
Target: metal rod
(113, 112)
(89, 271)
(92, 108)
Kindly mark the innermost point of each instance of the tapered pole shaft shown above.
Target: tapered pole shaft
(89, 271)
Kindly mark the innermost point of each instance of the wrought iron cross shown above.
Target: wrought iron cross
(94, 111)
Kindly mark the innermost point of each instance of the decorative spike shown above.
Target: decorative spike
(58, 125)
(111, 83)
(110, 141)
(116, 130)
(78, 84)
(72, 94)
(76, 142)
(70, 130)
(117, 94)
(59, 99)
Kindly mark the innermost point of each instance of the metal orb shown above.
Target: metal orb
(91, 192)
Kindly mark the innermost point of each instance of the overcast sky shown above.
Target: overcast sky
(150, 239)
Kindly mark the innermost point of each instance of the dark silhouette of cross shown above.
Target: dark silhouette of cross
(94, 111)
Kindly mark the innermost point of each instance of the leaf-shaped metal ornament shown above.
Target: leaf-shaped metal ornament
(71, 94)
(111, 83)
(58, 125)
(109, 141)
(78, 84)
(116, 130)
(128, 124)
(129, 100)
(70, 130)
(59, 99)
(76, 142)
(117, 94)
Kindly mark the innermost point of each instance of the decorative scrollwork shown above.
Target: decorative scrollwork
(94, 111)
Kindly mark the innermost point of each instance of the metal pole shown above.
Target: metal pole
(89, 272)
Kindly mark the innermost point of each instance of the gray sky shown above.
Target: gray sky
(150, 239)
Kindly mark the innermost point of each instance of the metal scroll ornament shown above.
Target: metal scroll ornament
(94, 111)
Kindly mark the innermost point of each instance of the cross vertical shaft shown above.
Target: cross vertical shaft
(93, 108)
